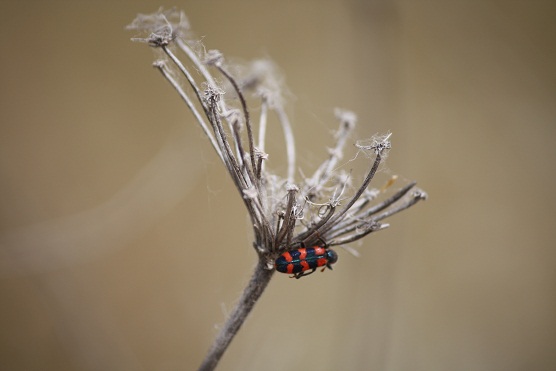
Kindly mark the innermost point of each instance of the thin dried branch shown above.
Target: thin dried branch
(333, 220)
(326, 171)
(289, 139)
(226, 74)
(161, 66)
(187, 75)
(360, 213)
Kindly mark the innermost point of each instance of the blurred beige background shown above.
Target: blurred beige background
(123, 246)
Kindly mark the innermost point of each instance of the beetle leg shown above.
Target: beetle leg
(302, 274)
(324, 244)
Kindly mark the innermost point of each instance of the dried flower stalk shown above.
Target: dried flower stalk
(285, 214)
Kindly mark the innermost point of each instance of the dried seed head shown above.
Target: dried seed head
(163, 27)
(326, 206)
(378, 144)
(214, 58)
(284, 213)
(212, 95)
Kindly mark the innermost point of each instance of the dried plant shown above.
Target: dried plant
(285, 213)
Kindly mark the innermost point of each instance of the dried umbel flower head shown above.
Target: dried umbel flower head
(286, 212)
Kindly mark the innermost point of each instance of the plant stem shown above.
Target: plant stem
(252, 293)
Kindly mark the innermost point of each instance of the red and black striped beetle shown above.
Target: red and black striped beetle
(299, 261)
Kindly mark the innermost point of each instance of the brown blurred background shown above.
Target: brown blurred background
(120, 242)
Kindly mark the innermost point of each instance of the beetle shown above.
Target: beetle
(299, 261)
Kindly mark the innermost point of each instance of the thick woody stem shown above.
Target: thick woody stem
(252, 293)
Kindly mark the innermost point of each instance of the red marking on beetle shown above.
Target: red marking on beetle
(287, 256)
(290, 268)
(319, 250)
